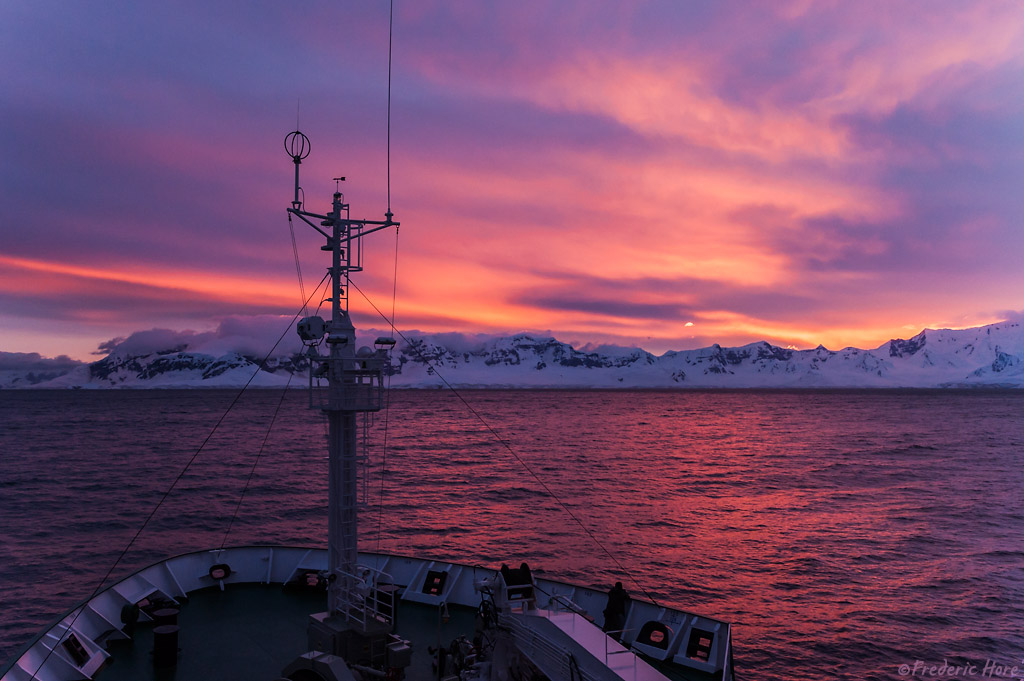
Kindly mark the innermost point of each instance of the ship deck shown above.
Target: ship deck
(252, 631)
(253, 623)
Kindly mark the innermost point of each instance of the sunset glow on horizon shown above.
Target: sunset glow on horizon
(658, 174)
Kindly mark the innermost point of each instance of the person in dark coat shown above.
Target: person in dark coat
(615, 611)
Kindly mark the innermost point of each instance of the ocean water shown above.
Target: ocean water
(844, 533)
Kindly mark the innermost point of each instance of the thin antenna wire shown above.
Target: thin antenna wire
(391, 21)
(177, 479)
(504, 443)
(387, 407)
(298, 267)
(394, 287)
(394, 282)
(259, 454)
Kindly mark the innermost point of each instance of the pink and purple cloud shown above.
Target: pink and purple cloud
(661, 174)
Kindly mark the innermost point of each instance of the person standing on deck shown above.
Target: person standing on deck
(615, 611)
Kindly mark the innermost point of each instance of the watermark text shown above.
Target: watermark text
(989, 669)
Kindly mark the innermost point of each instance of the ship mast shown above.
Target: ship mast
(354, 385)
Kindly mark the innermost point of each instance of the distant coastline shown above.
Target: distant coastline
(988, 357)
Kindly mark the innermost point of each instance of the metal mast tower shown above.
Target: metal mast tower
(354, 385)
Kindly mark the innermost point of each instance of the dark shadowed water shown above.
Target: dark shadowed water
(843, 532)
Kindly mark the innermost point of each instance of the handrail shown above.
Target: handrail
(567, 602)
(625, 649)
(370, 605)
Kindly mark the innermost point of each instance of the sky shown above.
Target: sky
(660, 174)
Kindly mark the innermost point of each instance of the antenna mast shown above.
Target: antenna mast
(354, 385)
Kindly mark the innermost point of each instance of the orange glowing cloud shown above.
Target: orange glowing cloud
(924, 58)
(54, 277)
(678, 101)
(802, 172)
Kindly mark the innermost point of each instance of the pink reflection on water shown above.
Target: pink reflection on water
(843, 532)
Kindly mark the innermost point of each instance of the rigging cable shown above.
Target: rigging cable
(394, 285)
(298, 268)
(255, 463)
(504, 443)
(177, 479)
(387, 403)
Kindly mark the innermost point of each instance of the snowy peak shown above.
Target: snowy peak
(520, 350)
(906, 348)
(986, 356)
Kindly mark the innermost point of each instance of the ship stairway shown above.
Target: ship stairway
(370, 601)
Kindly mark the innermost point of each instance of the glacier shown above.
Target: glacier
(988, 356)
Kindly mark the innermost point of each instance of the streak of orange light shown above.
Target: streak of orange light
(211, 285)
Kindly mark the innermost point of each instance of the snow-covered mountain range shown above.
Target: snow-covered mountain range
(990, 355)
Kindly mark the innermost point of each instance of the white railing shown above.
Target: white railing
(567, 605)
(367, 603)
(616, 635)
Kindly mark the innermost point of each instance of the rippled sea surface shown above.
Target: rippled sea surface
(844, 533)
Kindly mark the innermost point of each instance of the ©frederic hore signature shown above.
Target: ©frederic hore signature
(989, 669)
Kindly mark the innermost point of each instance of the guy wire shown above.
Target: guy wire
(387, 403)
(252, 471)
(177, 479)
(504, 443)
(298, 268)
